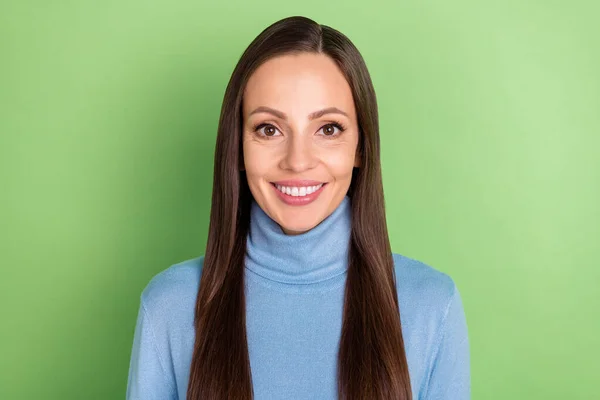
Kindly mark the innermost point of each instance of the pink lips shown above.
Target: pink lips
(298, 200)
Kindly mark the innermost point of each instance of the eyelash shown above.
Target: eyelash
(338, 125)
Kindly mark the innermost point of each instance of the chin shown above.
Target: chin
(297, 227)
(296, 230)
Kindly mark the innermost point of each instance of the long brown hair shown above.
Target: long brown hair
(371, 359)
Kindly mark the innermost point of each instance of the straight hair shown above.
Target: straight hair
(371, 358)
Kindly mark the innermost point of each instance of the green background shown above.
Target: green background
(490, 129)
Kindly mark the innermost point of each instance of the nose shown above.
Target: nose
(299, 154)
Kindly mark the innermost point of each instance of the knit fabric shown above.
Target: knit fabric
(294, 301)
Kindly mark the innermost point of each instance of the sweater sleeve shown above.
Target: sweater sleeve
(450, 377)
(147, 378)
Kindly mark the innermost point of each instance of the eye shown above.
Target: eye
(269, 132)
(329, 129)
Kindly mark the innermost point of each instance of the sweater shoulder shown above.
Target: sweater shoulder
(174, 287)
(430, 310)
(419, 284)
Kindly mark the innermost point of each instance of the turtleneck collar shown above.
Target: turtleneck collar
(307, 258)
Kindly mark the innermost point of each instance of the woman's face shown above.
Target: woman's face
(284, 142)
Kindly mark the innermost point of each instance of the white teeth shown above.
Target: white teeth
(298, 191)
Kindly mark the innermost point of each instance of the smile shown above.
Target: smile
(298, 190)
(298, 195)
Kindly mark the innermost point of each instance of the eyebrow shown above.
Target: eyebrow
(311, 116)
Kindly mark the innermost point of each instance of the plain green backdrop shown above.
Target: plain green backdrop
(490, 131)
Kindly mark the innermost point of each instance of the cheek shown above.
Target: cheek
(256, 160)
(340, 161)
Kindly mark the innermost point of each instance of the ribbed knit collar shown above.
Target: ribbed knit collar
(308, 258)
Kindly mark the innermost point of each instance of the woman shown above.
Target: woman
(298, 295)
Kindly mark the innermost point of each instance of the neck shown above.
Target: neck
(309, 257)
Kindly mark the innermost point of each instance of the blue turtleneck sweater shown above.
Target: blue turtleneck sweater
(294, 301)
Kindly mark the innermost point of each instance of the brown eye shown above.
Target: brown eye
(269, 130)
(266, 130)
(328, 130)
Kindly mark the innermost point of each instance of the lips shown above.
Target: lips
(299, 200)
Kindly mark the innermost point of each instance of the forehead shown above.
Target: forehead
(298, 83)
